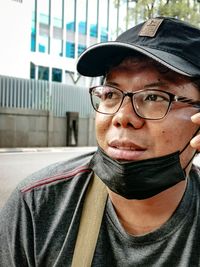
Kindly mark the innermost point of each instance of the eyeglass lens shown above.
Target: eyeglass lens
(148, 103)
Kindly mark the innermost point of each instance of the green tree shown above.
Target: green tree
(187, 10)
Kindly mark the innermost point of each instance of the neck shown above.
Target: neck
(139, 217)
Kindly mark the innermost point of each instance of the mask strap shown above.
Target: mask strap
(189, 141)
(186, 147)
(190, 161)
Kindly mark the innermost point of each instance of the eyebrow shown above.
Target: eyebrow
(155, 84)
(111, 83)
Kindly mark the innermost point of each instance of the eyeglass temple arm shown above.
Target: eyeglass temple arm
(195, 104)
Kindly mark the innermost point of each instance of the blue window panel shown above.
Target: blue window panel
(70, 26)
(82, 27)
(43, 73)
(33, 34)
(33, 30)
(41, 48)
(81, 48)
(104, 38)
(56, 75)
(104, 34)
(33, 43)
(33, 27)
(93, 30)
(32, 71)
(70, 47)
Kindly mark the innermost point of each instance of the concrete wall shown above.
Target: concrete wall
(33, 128)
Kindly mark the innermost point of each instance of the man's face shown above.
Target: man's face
(125, 136)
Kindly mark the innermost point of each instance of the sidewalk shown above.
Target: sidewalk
(44, 149)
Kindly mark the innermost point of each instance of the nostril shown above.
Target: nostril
(117, 124)
(130, 125)
(128, 122)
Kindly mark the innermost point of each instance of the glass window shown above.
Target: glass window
(43, 44)
(70, 50)
(113, 18)
(122, 16)
(70, 28)
(93, 17)
(43, 38)
(33, 41)
(33, 27)
(32, 71)
(81, 48)
(82, 15)
(56, 75)
(103, 20)
(70, 15)
(82, 27)
(43, 73)
(43, 7)
(57, 20)
(57, 16)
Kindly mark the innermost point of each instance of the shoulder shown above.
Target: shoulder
(56, 173)
(195, 176)
(195, 171)
(43, 205)
(54, 181)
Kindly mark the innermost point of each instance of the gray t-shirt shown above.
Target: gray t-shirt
(39, 224)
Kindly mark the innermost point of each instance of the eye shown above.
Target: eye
(108, 95)
(154, 97)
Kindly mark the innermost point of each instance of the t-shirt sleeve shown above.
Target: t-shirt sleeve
(15, 226)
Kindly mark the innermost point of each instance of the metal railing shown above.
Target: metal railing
(43, 95)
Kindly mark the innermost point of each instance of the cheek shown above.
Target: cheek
(164, 137)
(167, 136)
(162, 141)
(102, 125)
(174, 136)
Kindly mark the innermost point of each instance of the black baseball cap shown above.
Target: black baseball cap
(169, 41)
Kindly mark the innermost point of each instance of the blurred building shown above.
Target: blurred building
(42, 39)
(15, 29)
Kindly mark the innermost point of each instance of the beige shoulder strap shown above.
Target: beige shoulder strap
(93, 209)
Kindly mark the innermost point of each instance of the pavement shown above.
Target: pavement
(45, 149)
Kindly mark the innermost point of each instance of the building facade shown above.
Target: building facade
(15, 21)
(39, 86)
(62, 29)
(42, 39)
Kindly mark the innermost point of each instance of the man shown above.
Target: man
(151, 217)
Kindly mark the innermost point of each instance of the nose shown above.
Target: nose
(126, 116)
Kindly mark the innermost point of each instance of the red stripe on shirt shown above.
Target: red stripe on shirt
(62, 176)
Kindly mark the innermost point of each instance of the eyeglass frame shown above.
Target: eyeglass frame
(172, 98)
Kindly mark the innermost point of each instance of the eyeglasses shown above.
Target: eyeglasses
(151, 104)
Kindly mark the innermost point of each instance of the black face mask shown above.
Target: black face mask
(139, 179)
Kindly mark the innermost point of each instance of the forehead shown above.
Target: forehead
(139, 72)
(142, 63)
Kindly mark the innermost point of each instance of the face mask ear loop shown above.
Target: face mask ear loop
(186, 147)
(190, 160)
(189, 140)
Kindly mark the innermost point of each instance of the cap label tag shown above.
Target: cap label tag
(150, 27)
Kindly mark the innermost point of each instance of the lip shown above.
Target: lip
(125, 150)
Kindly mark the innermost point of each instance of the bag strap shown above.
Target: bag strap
(91, 218)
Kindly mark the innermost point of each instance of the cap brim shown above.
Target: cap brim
(94, 61)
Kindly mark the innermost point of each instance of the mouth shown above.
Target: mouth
(125, 150)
